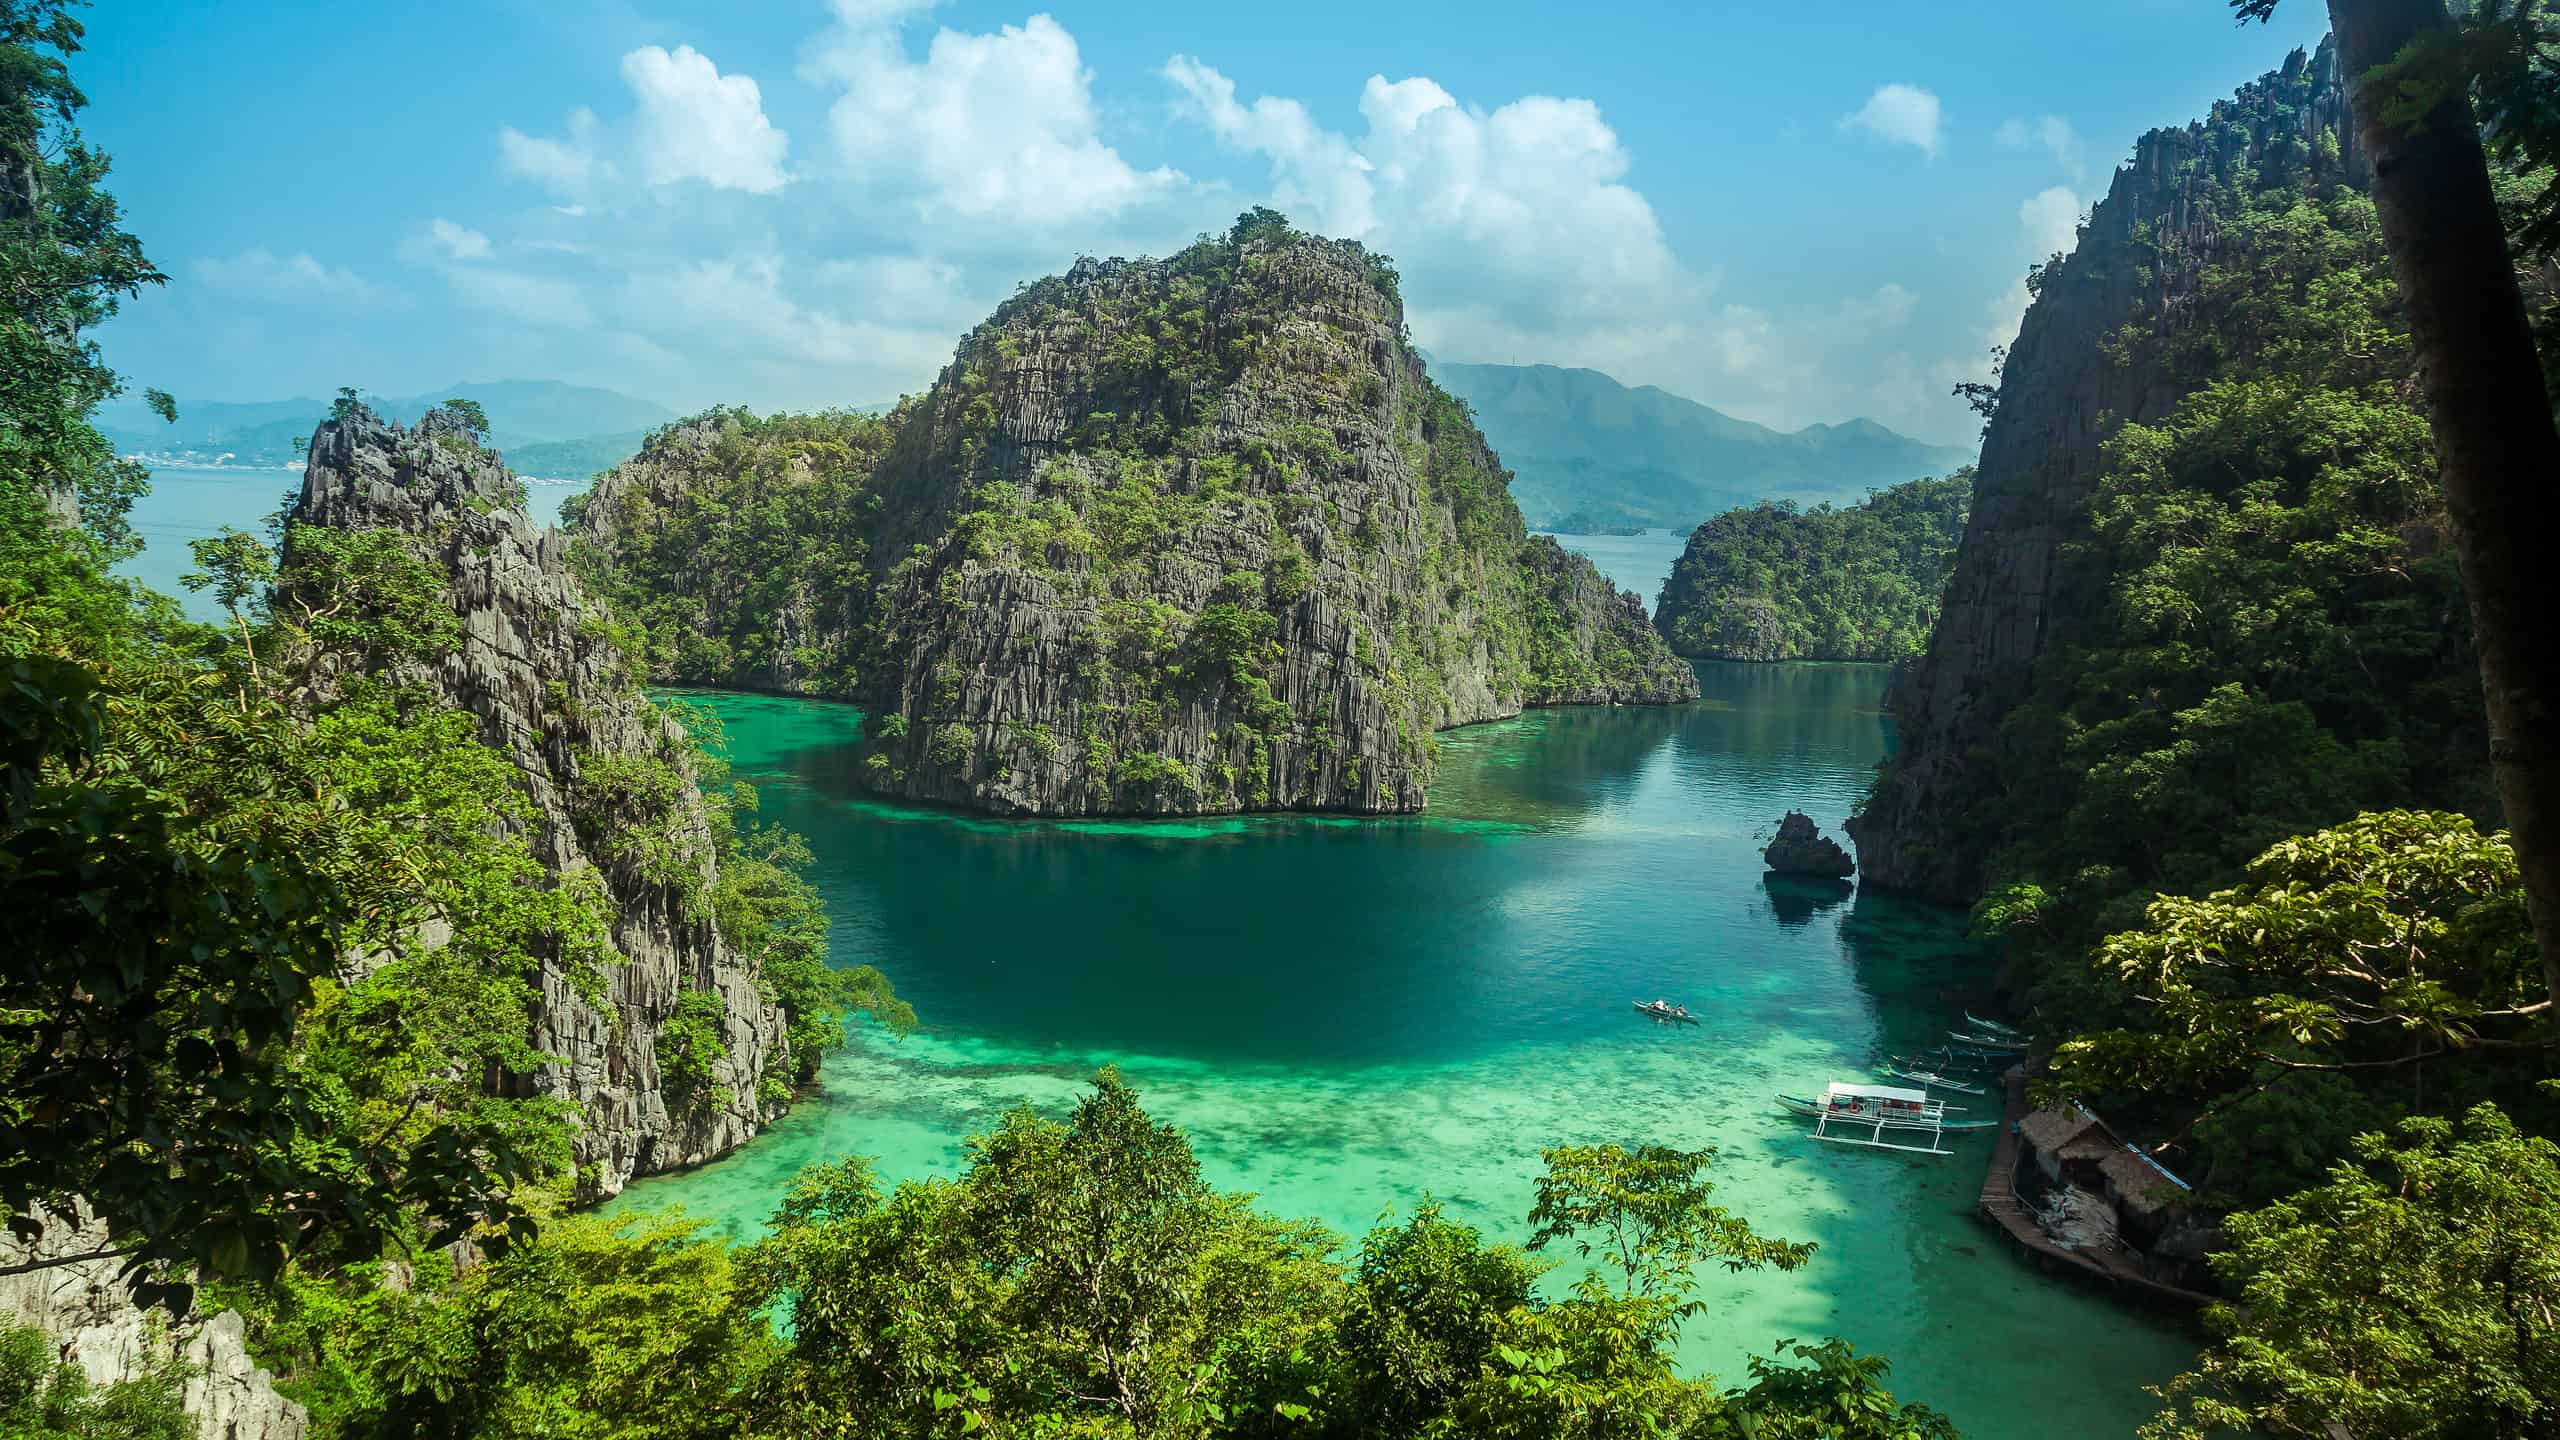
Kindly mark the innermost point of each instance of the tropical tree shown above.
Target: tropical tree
(2389, 941)
(1648, 1214)
(2410, 1296)
(2487, 401)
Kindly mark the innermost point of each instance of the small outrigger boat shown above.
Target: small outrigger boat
(1970, 1057)
(1993, 1027)
(1862, 1114)
(1665, 1010)
(1930, 1077)
(1992, 1043)
(1946, 1059)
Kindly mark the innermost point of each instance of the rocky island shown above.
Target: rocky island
(1775, 582)
(1802, 849)
(1170, 536)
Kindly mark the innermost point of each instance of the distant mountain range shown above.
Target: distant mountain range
(1589, 454)
(546, 429)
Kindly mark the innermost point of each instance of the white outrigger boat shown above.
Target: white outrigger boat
(1665, 1010)
(1863, 1115)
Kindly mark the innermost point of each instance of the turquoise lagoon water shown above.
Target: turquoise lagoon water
(1348, 1015)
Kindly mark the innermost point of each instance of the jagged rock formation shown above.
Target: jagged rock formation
(2065, 387)
(87, 1311)
(1772, 582)
(538, 667)
(1802, 849)
(1166, 537)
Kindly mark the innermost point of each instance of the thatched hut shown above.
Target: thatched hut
(2067, 1138)
(2145, 1196)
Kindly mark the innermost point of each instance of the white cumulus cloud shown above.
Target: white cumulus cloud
(695, 123)
(566, 164)
(1514, 226)
(1900, 114)
(985, 126)
(443, 240)
(2050, 221)
(2051, 218)
(2051, 133)
(258, 273)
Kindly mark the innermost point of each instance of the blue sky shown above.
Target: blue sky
(1795, 213)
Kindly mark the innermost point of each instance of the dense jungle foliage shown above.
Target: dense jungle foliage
(759, 579)
(2268, 635)
(278, 925)
(1775, 582)
(2241, 833)
(1080, 1279)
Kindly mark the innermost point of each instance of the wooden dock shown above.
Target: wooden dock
(2000, 1205)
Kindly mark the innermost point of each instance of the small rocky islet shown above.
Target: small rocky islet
(1800, 848)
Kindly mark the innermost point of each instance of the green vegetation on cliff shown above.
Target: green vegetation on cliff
(2274, 633)
(2254, 626)
(1175, 535)
(44, 1396)
(2221, 766)
(1774, 582)
(286, 916)
(734, 547)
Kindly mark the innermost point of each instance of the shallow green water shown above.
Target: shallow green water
(1347, 1014)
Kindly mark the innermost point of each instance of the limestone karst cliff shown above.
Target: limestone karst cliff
(88, 1314)
(538, 667)
(1167, 536)
(2089, 357)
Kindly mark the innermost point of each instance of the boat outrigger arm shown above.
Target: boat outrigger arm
(1864, 1114)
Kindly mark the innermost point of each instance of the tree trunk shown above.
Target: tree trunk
(2492, 419)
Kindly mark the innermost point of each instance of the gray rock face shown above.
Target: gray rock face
(1802, 849)
(1184, 536)
(2062, 394)
(554, 695)
(87, 1311)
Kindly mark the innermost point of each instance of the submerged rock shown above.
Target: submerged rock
(1802, 849)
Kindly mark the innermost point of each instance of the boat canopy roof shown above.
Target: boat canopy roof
(1879, 1092)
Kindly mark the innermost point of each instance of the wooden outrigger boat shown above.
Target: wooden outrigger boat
(1865, 1114)
(1991, 1043)
(1973, 1057)
(1993, 1027)
(1664, 1010)
(1928, 1076)
(1946, 1059)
